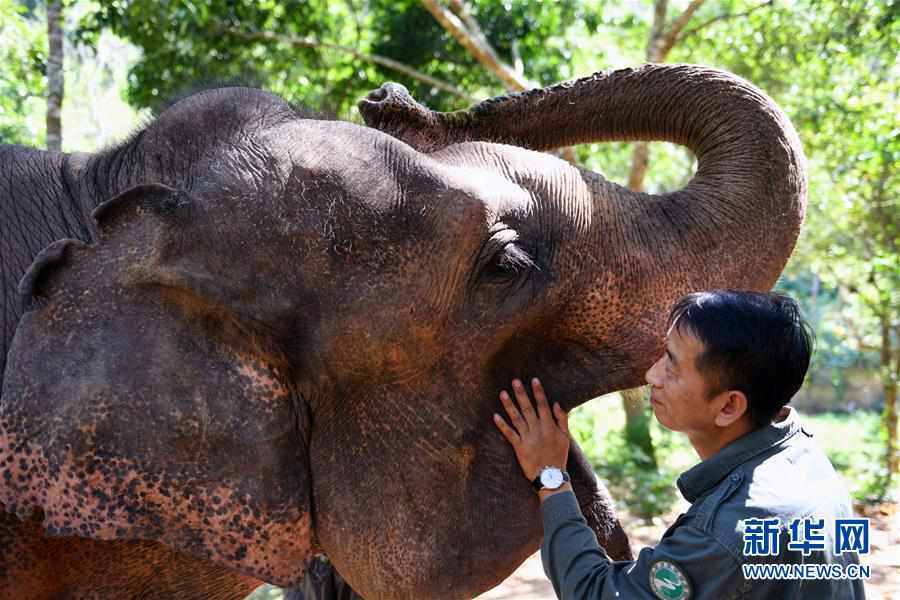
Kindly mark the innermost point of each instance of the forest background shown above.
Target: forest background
(105, 67)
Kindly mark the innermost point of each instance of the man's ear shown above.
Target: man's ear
(733, 407)
(133, 408)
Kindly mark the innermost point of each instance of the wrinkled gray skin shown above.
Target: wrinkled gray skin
(39, 205)
(287, 335)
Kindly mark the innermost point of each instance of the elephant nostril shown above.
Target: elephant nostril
(378, 95)
(390, 91)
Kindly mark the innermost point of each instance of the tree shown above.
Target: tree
(854, 247)
(55, 76)
(185, 42)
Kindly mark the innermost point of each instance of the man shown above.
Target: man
(733, 360)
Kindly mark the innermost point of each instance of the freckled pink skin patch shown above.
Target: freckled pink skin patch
(40, 567)
(111, 500)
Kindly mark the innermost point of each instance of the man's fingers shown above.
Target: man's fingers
(562, 417)
(540, 399)
(514, 415)
(524, 403)
(511, 436)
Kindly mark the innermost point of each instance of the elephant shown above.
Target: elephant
(50, 197)
(264, 335)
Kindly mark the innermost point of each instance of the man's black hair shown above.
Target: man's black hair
(754, 343)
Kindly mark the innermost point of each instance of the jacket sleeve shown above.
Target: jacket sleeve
(687, 564)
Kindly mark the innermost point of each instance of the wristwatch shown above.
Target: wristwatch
(549, 478)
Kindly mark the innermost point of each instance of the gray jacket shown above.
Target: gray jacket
(774, 472)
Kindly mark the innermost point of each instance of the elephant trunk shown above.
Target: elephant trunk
(751, 172)
(733, 226)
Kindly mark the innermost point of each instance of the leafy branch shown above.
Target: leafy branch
(310, 42)
(465, 29)
(661, 47)
(724, 17)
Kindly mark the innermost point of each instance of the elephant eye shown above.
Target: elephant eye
(503, 256)
(511, 259)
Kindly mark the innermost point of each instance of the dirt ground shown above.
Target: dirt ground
(529, 582)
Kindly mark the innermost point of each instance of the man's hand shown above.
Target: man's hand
(538, 438)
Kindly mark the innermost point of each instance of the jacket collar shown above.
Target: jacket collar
(702, 477)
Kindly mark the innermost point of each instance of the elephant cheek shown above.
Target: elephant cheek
(426, 518)
(193, 445)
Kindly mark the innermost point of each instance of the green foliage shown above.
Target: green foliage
(855, 446)
(645, 490)
(827, 312)
(185, 42)
(23, 54)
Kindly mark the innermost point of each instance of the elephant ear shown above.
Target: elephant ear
(137, 406)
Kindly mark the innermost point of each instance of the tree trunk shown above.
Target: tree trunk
(637, 422)
(55, 79)
(469, 36)
(640, 160)
(890, 379)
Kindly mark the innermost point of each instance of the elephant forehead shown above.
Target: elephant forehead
(509, 178)
(360, 162)
(388, 176)
(498, 194)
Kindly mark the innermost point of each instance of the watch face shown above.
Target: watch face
(551, 478)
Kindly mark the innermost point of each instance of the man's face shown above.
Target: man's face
(678, 391)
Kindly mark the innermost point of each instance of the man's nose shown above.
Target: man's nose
(652, 374)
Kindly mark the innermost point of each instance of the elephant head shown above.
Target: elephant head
(290, 333)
